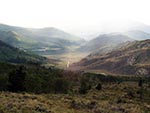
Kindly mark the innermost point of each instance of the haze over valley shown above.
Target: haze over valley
(74, 56)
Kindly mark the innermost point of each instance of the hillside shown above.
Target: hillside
(41, 41)
(9, 37)
(14, 55)
(131, 59)
(104, 43)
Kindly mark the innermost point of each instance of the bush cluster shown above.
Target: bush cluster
(34, 80)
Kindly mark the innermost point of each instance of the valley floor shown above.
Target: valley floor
(62, 60)
(125, 97)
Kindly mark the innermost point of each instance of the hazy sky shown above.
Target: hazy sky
(72, 15)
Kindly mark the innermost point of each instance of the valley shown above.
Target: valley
(70, 57)
(47, 70)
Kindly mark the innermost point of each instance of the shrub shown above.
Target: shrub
(3, 82)
(140, 83)
(33, 84)
(99, 86)
(61, 85)
(84, 86)
(17, 80)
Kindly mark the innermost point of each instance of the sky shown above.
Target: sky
(77, 16)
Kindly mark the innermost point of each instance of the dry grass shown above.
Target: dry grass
(113, 98)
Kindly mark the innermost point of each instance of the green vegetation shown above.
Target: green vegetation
(16, 80)
(35, 79)
(35, 89)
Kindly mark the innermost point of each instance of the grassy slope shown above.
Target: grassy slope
(14, 55)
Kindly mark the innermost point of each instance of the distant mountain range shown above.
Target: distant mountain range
(106, 42)
(41, 41)
(131, 59)
(119, 27)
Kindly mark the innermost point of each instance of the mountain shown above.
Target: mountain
(115, 26)
(41, 41)
(14, 55)
(131, 59)
(104, 43)
(138, 35)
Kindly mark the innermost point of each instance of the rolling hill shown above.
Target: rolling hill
(13, 55)
(41, 41)
(131, 59)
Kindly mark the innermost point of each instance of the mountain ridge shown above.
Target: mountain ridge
(104, 43)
